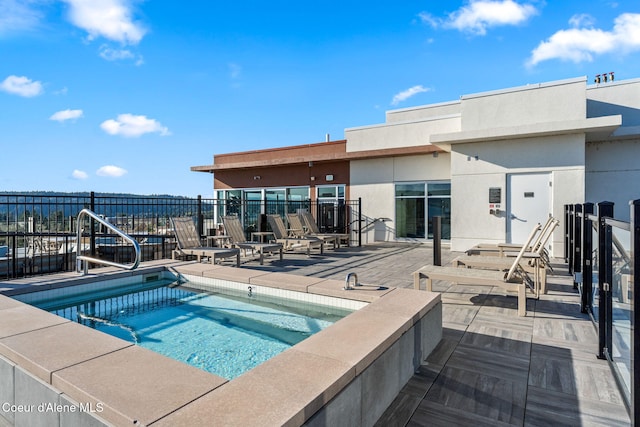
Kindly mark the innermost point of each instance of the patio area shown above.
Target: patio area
(492, 367)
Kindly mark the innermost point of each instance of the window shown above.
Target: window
(439, 204)
(417, 203)
(410, 210)
(330, 213)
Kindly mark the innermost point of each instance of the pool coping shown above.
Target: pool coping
(362, 360)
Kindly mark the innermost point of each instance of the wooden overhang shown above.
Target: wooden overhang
(331, 151)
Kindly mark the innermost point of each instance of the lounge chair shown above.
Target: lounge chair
(488, 248)
(234, 229)
(310, 224)
(535, 262)
(515, 280)
(295, 223)
(189, 243)
(282, 236)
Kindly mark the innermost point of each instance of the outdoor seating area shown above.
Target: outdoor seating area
(525, 361)
(234, 229)
(189, 243)
(292, 239)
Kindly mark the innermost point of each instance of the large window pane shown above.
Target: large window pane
(440, 207)
(439, 189)
(253, 209)
(410, 190)
(275, 202)
(410, 217)
(298, 194)
(327, 192)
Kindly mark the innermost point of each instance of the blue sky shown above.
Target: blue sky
(126, 96)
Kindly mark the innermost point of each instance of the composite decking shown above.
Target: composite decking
(492, 368)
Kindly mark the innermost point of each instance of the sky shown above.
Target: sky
(126, 95)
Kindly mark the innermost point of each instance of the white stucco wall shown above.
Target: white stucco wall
(423, 112)
(374, 181)
(471, 180)
(546, 102)
(621, 97)
(402, 134)
(613, 174)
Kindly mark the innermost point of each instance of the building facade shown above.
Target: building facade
(490, 164)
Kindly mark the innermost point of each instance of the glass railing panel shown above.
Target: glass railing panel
(621, 298)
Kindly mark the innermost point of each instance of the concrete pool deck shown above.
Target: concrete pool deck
(491, 367)
(49, 360)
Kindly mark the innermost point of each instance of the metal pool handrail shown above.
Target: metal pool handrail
(87, 259)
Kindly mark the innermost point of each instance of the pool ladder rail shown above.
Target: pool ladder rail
(347, 281)
(88, 259)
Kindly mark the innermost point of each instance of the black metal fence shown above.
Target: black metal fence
(38, 232)
(602, 254)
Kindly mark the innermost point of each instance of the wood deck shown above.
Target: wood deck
(494, 368)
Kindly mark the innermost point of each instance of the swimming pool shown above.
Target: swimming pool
(224, 331)
(347, 373)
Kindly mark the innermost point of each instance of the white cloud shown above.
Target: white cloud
(111, 19)
(129, 125)
(479, 15)
(63, 115)
(18, 15)
(110, 54)
(111, 171)
(581, 20)
(115, 54)
(406, 94)
(581, 44)
(21, 86)
(234, 70)
(78, 174)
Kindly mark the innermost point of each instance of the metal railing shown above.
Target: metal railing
(37, 230)
(116, 230)
(603, 254)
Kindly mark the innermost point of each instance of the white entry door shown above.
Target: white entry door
(528, 203)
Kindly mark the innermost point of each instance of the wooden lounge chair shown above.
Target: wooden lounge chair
(295, 223)
(488, 248)
(534, 262)
(189, 243)
(233, 228)
(310, 224)
(282, 236)
(515, 280)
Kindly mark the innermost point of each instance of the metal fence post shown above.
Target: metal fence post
(92, 228)
(359, 221)
(199, 216)
(577, 242)
(566, 233)
(436, 223)
(571, 230)
(605, 210)
(587, 249)
(635, 310)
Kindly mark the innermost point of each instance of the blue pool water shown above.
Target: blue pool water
(225, 333)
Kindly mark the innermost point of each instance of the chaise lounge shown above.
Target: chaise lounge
(189, 243)
(280, 232)
(534, 261)
(514, 280)
(295, 223)
(310, 224)
(233, 227)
